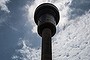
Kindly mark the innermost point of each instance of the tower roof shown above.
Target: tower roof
(46, 8)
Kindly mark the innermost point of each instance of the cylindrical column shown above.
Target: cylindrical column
(46, 45)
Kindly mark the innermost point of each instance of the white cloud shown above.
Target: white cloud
(72, 42)
(27, 53)
(3, 5)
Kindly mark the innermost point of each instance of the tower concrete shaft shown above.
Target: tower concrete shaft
(46, 45)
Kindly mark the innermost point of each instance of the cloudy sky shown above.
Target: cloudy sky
(18, 32)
